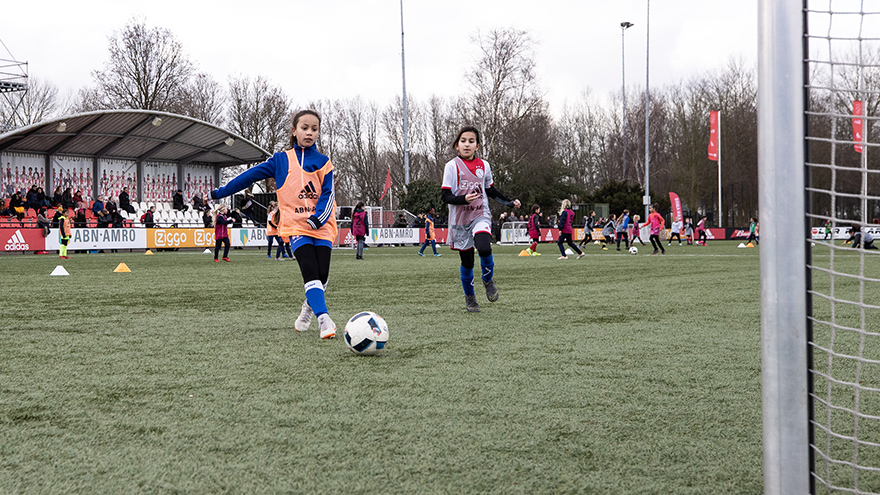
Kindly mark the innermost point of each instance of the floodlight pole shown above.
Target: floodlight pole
(623, 27)
(647, 199)
(405, 120)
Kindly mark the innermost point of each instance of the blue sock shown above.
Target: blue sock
(315, 296)
(467, 281)
(433, 246)
(488, 266)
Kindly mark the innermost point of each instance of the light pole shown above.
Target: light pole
(647, 198)
(405, 121)
(623, 27)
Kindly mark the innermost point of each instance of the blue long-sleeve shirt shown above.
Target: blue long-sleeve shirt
(276, 167)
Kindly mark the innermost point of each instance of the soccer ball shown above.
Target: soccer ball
(366, 333)
(633, 250)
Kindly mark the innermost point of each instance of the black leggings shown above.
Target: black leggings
(314, 262)
(483, 243)
(225, 243)
(655, 242)
(566, 238)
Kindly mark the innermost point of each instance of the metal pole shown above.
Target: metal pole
(405, 120)
(623, 27)
(647, 199)
(781, 175)
(719, 169)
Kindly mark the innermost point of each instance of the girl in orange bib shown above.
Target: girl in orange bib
(307, 201)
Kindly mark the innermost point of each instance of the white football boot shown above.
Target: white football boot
(304, 319)
(328, 328)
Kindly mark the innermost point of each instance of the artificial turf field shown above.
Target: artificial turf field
(609, 374)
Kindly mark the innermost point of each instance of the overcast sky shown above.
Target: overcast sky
(346, 48)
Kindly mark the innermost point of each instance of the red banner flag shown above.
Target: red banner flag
(857, 125)
(713, 136)
(676, 207)
(387, 185)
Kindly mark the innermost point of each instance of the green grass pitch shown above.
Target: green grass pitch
(609, 374)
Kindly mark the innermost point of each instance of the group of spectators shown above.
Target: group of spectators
(106, 212)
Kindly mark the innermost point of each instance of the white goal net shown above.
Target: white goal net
(843, 213)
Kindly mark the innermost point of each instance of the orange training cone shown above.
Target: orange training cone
(524, 253)
(750, 245)
(148, 252)
(122, 268)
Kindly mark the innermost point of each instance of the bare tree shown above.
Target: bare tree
(504, 91)
(38, 103)
(203, 99)
(361, 169)
(260, 113)
(582, 147)
(147, 70)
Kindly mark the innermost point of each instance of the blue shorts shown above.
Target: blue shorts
(301, 240)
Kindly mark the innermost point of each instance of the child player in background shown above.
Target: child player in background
(675, 231)
(221, 233)
(589, 221)
(273, 216)
(701, 231)
(608, 232)
(753, 230)
(429, 234)
(64, 232)
(360, 225)
(467, 187)
(656, 222)
(534, 230)
(636, 232)
(623, 229)
(566, 219)
(307, 200)
(689, 230)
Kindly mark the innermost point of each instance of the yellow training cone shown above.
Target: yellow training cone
(122, 268)
(149, 252)
(524, 253)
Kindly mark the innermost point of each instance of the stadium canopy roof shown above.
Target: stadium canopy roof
(140, 135)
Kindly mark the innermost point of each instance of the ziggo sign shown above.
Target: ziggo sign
(180, 238)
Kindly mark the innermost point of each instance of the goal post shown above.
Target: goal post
(819, 181)
(784, 229)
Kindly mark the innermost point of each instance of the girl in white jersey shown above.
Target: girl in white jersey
(467, 187)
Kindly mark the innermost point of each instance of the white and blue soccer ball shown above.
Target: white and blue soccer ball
(366, 333)
(633, 250)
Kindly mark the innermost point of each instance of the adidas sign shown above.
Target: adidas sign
(309, 192)
(16, 242)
